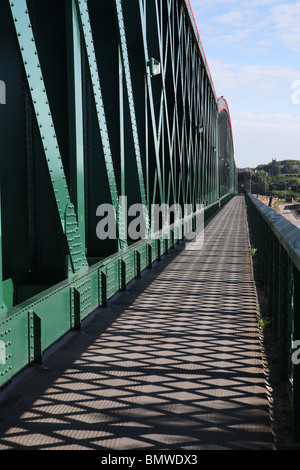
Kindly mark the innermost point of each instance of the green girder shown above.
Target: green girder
(105, 99)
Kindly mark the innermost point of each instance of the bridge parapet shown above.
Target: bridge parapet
(277, 242)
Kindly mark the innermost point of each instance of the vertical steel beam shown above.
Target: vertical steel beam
(76, 312)
(35, 338)
(77, 176)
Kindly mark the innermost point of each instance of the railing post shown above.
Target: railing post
(296, 368)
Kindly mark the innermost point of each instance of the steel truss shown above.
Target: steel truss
(104, 99)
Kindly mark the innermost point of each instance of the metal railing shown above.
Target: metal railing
(277, 242)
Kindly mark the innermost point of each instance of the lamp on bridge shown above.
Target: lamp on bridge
(154, 67)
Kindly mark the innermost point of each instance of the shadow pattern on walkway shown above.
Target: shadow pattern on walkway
(173, 363)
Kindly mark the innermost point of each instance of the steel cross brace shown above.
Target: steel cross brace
(91, 55)
(164, 113)
(48, 136)
(128, 81)
(151, 102)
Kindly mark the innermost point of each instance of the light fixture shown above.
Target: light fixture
(154, 67)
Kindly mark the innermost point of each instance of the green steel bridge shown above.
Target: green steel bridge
(108, 112)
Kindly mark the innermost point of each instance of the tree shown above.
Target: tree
(290, 166)
(278, 183)
(275, 169)
(261, 181)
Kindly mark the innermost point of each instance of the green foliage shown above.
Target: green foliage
(252, 251)
(263, 322)
(288, 166)
(282, 167)
(273, 168)
(282, 194)
(272, 179)
(261, 181)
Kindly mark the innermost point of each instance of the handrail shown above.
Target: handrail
(287, 233)
(277, 243)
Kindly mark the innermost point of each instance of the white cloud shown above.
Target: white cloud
(245, 23)
(266, 123)
(234, 18)
(252, 48)
(280, 123)
(286, 20)
(259, 137)
(267, 85)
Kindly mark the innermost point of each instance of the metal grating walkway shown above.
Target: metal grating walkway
(174, 363)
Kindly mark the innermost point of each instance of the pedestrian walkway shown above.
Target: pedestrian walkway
(174, 363)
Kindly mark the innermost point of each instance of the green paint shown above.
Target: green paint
(105, 127)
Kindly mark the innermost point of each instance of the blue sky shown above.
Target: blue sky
(253, 52)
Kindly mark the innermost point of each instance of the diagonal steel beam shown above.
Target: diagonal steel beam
(85, 21)
(128, 81)
(48, 136)
(150, 97)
